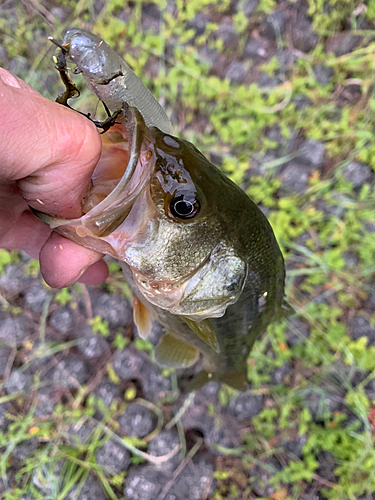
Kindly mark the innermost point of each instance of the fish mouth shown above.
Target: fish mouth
(122, 173)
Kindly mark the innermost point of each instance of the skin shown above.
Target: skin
(47, 153)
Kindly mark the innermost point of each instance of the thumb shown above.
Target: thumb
(47, 148)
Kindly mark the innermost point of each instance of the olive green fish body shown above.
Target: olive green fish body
(199, 255)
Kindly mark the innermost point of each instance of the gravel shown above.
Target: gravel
(256, 49)
(357, 173)
(275, 25)
(236, 72)
(112, 308)
(165, 442)
(127, 364)
(18, 382)
(92, 345)
(5, 354)
(62, 320)
(113, 457)
(360, 326)
(107, 391)
(278, 375)
(90, 490)
(137, 421)
(246, 406)
(35, 297)
(14, 329)
(154, 384)
(70, 373)
(144, 483)
(323, 73)
(311, 154)
(342, 43)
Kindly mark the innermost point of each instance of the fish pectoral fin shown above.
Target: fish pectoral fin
(205, 332)
(174, 353)
(142, 318)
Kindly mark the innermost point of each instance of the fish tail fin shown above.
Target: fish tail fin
(237, 379)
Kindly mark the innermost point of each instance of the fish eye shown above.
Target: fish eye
(184, 206)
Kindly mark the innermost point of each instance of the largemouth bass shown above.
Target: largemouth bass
(197, 252)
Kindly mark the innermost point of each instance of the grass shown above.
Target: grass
(315, 229)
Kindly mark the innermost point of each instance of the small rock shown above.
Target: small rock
(35, 297)
(278, 375)
(357, 173)
(4, 422)
(194, 481)
(13, 282)
(208, 394)
(294, 178)
(229, 36)
(236, 72)
(311, 154)
(321, 403)
(5, 354)
(62, 319)
(25, 449)
(150, 17)
(45, 401)
(295, 446)
(301, 101)
(361, 327)
(113, 457)
(92, 345)
(323, 73)
(14, 329)
(351, 259)
(107, 392)
(165, 442)
(198, 23)
(80, 432)
(224, 433)
(275, 25)
(256, 49)
(127, 364)
(154, 384)
(145, 483)
(268, 82)
(18, 382)
(297, 331)
(327, 466)
(137, 421)
(246, 406)
(248, 7)
(286, 58)
(342, 43)
(112, 308)
(90, 490)
(261, 475)
(70, 373)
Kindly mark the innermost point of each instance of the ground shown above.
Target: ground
(279, 95)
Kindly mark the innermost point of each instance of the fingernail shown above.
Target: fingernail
(9, 79)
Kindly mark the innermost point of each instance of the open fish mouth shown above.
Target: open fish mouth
(122, 173)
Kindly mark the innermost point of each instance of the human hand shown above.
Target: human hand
(47, 155)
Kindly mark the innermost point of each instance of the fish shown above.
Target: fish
(199, 255)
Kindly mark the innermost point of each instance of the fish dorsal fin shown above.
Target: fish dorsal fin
(205, 332)
(142, 318)
(174, 353)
